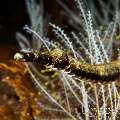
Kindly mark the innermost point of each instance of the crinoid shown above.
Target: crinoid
(79, 59)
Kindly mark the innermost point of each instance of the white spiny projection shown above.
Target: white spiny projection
(83, 100)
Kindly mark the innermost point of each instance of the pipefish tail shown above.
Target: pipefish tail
(62, 61)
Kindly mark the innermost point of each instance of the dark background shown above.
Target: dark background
(13, 16)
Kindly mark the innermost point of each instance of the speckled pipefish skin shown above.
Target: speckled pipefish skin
(62, 61)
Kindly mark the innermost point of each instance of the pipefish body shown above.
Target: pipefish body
(62, 61)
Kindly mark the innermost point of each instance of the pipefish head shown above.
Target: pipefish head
(36, 56)
(26, 55)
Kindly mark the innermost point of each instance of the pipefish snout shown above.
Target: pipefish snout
(62, 61)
